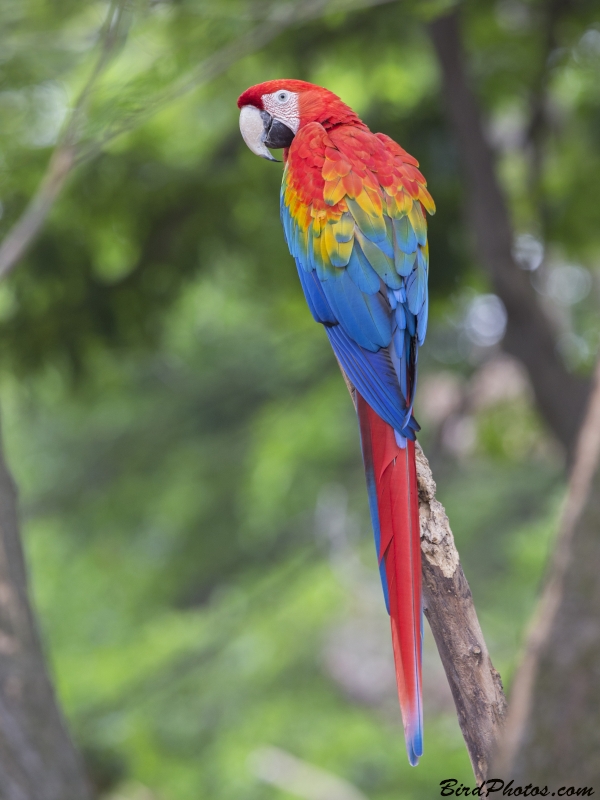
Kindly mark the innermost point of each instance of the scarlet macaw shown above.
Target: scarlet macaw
(352, 207)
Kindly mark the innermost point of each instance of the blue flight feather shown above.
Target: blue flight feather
(382, 264)
(362, 273)
(405, 235)
(348, 304)
(380, 312)
(422, 320)
(315, 297)
(416, 286)
(373, 376)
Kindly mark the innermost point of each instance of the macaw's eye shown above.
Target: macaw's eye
(283, 97)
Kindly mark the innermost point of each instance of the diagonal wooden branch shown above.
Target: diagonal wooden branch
(70, 152)
(561, 396)
(28, 226)
(16, 242)
(476, 686)
(37, 757)
(448, 605)
(552, 729)
(538, 127)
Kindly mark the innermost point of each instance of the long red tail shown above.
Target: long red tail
(392, 484)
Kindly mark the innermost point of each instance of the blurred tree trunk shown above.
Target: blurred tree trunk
(37, 758)
(560, 395)
(553, 728)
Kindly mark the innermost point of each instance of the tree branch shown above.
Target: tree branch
(448, 604)
(20, 237)
(537, 129)
(552, 730)
(561, 396)
(37, 758)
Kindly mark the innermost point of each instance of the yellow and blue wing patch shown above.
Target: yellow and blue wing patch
(352, 206)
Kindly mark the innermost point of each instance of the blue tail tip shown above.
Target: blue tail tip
(414, 748)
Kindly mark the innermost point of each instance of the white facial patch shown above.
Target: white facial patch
(283, 105)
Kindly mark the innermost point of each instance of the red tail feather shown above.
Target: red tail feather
(392, 479)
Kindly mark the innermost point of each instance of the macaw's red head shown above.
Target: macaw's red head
(272, 113)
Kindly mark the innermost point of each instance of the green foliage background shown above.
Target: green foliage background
(183, 442)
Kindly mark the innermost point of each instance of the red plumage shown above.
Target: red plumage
(393, 471)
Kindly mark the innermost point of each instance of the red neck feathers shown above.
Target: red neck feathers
(316, 104)
(320, 105)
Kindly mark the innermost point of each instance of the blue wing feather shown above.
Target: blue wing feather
(353, 313)
(422, 320)
(363, 274)
(315, 297)
(379, 309)
(374, 377)
(405, 235)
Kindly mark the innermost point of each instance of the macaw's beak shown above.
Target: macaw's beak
(260, 131)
